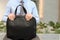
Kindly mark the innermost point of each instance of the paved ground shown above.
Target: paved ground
(39, 36)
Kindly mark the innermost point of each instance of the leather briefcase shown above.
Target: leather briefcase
(20, 28)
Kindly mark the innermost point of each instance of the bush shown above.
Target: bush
(2, 26)
(54, 25)
(57, 31)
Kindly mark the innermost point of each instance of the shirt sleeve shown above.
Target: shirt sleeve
(35, 13)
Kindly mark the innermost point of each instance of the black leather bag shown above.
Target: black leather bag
(20, 28)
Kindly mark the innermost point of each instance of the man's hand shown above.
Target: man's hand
(11, 16)
(28, 16)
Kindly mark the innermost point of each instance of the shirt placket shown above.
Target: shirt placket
(21, 8)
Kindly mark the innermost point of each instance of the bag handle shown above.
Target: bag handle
(23, 9)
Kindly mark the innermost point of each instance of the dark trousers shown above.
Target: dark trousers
(21, 39)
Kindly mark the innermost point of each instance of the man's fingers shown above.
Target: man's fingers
(28, 17)
(11, 16)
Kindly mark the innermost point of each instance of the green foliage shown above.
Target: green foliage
(51, 23)
(42, 25)
(2, 26)
(54, 25)
(57, 31)
(57, 25)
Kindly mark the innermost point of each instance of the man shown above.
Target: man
(28, 4)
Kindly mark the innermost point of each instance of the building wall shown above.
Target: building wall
(2, 7)
(59, 11)
(50, 11)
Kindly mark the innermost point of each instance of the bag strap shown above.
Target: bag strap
(23, 9)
